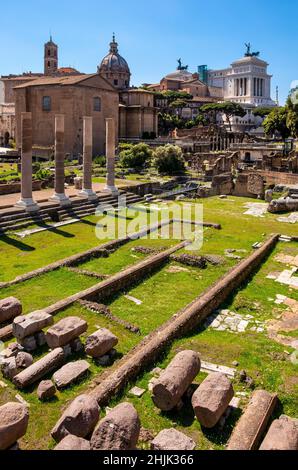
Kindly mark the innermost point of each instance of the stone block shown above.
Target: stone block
(9, 309)
(71, 442)
(79, 419)
(100, 343)
(24, 360)
(29, 343)
(119, 430)
(46, 390)
(282, 435)
(171, 439)
(28, 325)
(65, 331)
(70, 373)
(175, 380)
(212, 399)
(14, 419)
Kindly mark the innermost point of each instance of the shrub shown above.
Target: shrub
(168, 160)
(100, 160)
(137, 156)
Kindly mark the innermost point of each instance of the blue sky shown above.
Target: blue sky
(152, 35)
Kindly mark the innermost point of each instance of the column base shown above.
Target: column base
(88, 194)
(111, 189)
(28, 204)
(62, 199)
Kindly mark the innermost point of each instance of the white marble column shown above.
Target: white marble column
(59, 195)
(87, 160)
(26, 202)
(110, 155)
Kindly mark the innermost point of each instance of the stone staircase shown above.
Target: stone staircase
(14, 219)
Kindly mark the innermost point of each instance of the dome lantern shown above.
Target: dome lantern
(114, 67)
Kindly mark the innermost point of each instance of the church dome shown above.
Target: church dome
(114, 62)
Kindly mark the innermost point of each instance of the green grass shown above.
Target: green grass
(162, 294)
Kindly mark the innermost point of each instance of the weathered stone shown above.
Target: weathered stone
(9, 368)
(29, 343)
(104, 361)
(71, 442)
(76, 346)
(79, 419)
(40, 338)
(282, 435)
(67, 351)
(175, 380)
(212, 398)
(137, 392)
(65, 331)
(70, 373)
(252, 424)
(12, 350)
(24, 360)
(119, 430)
(14, 419)
(171, 439)
(100, 343)
(28, 325)
(9, 309)
(39, 369)
(46, 390)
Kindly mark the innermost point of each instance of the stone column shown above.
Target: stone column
(110, 154)
(26, 202)
(59, 195)
(87, 160)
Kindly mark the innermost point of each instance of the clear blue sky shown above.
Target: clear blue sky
(152, 35)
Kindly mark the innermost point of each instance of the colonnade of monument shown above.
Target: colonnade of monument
(27, 202)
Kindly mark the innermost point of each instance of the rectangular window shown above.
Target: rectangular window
(46, 103)
(97, 104)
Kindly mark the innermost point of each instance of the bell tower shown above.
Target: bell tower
(50, 58)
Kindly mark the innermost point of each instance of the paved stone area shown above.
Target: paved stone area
(225, 320)
(291, 219)
(287, 277)
(287, 259)
(7, 200)
(256, 209)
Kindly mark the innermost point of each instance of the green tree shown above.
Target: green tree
(292, 115)
(168, 160)
(262, 111)
(228, 108)
(137, 156)
(276, 121)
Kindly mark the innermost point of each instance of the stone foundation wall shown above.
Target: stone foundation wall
(276, 177)
(14, 188)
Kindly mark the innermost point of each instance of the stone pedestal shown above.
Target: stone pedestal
(87, 191)
(110, 154)
(59, 195)
(26, 202)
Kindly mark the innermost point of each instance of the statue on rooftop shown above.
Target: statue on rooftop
(249, 53)
(180, 66)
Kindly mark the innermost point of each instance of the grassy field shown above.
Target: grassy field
(162, 295)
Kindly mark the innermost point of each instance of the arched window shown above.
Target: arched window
(97, 104)
(46, 103)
